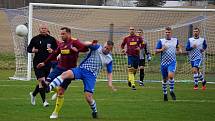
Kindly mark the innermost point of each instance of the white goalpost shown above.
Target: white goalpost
(112, 23)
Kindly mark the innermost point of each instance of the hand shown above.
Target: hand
(123, 51)
(138, 49)
(74, 49)
(112, 88)
(164, 48)
(180, 50)
(34, 50)
(194, 46)
(50, 50)
(40, 65)
(202, 50)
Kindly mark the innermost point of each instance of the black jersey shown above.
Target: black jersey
(41, 42)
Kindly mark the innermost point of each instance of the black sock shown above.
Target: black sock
(42, 94)
(141, 74)
(36, 90)
(65, 83)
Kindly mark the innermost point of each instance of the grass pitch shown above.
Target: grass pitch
(144, 104)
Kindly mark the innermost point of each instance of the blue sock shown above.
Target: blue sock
(201, 77)
(195, 78)
(171, 85)
(93, 106)
(164, 86)
(55, 83)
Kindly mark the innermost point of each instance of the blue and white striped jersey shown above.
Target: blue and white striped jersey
(169, 55)
(195, 53)
(96, 59)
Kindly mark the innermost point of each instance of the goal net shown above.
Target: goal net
(111, 23)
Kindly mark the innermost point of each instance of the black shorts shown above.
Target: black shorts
(142, 62)
(42, 72)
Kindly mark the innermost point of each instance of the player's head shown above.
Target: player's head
(65, 33)
(139, 32)
(131, 30)
(107, 48)
(43, 28)
(168, 32)
(196, 32)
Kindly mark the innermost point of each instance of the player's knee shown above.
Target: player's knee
(171, 76)
(88, 96)
(67, 74)
(131, 69)
(195, 70)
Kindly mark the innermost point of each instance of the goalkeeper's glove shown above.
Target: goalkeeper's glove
(149, 57)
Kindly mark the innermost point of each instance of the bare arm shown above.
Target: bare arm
(110, 85)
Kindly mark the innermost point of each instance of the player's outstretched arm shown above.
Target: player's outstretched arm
(110, 84)
(109, 76)
(89, 43)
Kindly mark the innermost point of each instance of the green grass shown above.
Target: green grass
(144, 104)
(7, 61)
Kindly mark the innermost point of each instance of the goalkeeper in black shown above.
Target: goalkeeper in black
(144, 55)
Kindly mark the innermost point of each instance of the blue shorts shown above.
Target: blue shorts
(165, 69)
(89, 80)
(54, 64)
(133, 61)
(196, 63)
(55, 73)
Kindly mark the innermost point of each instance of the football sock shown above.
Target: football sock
(201, 77)
(171, 85)
(36, 90)
(59, 103)
(164, 86)
(42, 94)
(93, 106)
(55, 83)
(195, 78)
(131, 78)
(141, 74)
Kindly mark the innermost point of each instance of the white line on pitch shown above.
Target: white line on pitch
(120, 100)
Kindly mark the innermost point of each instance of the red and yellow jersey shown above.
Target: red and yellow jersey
(133, 43)
(68, 57)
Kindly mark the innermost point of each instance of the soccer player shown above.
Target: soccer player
(133, 43)
(195, 47)
(144, 53)
(69, 50)
(88, 71)
(42, 45)
(168, 47)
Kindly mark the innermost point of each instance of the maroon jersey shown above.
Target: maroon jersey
(68, 57)
(132, 42)
(56, 60)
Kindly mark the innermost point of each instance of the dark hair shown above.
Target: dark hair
(110, 43)
(168, 28)
(196, 28)
(68, 30)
